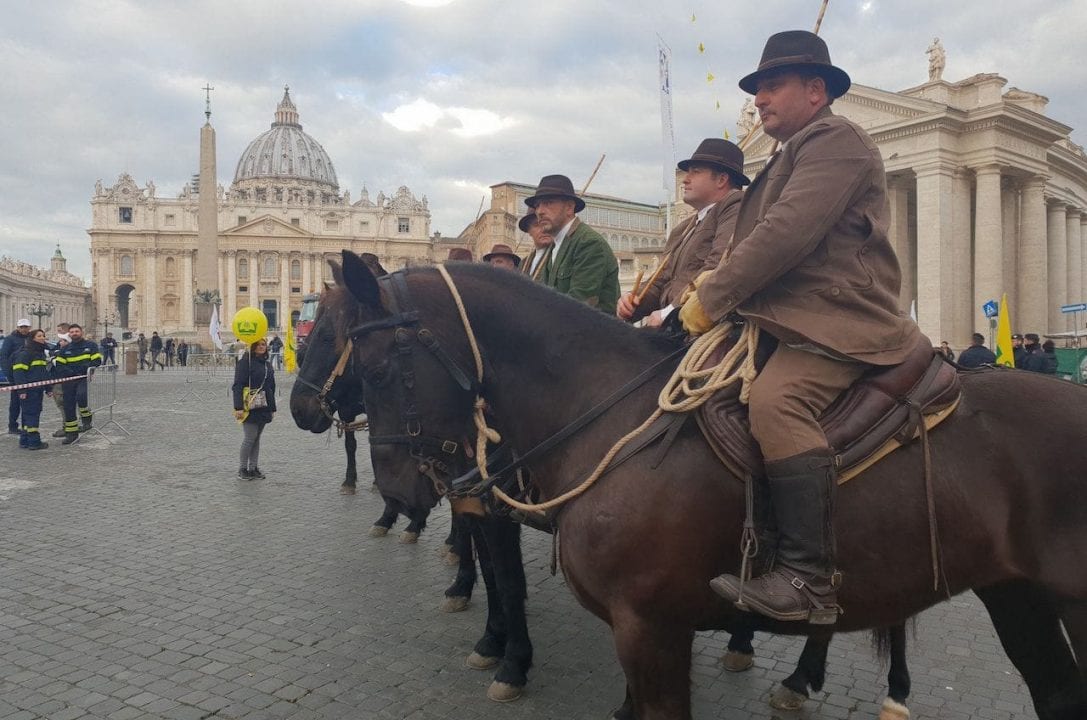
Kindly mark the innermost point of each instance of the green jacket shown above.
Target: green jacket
(585, 269)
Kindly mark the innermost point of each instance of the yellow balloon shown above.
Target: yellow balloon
(249, 324)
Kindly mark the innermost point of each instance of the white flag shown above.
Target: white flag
(913, 310)
(213, 328)
(668, 135)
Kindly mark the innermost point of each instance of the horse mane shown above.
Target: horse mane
(578, 318)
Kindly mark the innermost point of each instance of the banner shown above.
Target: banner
(668, 134)
(213, 328)
(1005, 353)
(290, 360)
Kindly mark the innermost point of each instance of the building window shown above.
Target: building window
(243, 268)
(296, 222)
(269, 268)
(126, 269)
(279, 194)
(269, 308)
(332, 224)
(261, 195)
(296, 270)
(243, 288)
(242, 219)
(124, 215)
(403, 225)
(364, 225)
(171, 267)
(170, 220)
(296, 290)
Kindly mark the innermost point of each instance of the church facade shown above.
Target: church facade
(46, 297)
(283, 216)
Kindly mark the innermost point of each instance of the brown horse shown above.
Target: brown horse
(639, 548)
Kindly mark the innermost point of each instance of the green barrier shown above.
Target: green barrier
(1070, 363)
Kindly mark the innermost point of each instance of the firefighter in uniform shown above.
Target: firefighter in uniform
(30, 366)
(74, 360)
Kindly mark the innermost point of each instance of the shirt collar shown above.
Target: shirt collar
(559, 237)
(703, 211)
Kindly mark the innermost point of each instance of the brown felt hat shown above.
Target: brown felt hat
(526, 222)
(501, 249)
(797, 50)
(720, 154)
(459, 255)
(555, 186)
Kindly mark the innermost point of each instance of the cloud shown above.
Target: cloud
(446, 98)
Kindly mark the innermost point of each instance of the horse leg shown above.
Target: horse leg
(626, 710)
(460, 592)
(503, 539)
(810, 672)
(1028, 625)
(740, 654)
(488, 650)
(458, 543)
(388, 517)
(898, 676)
(656, 658)
(416, 524)
(351, 445)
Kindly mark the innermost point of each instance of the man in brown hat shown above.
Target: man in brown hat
(534, 264)
(459, 255)
(810, 263)
(582, 264)
(714, 176)
(501, 255)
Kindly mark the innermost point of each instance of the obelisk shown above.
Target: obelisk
(207, 218)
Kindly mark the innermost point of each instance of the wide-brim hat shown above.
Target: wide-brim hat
(460, 255)
(722, 154)
(798, 50)
(555, 186)
(500, 250)
(526, 222)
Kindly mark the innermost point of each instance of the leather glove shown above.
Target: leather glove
(694, 285)
(693, 316)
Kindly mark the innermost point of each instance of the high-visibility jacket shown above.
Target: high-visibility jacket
(29, 365)
(77, 358)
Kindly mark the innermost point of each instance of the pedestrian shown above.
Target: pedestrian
(182, 353)
(156, 350)
(254, 404)
(275, 349)
(109, 349)
(62, 342)
(73, 361)
(12, 344)
(30, 366)
(1019, 353)
(977, 354)
(1042, 359)
(501, 255)
(541, 246)
(141, 348)
(168, 349)
(946, 350)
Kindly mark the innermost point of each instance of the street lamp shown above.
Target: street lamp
(40, 310)
(108, 317)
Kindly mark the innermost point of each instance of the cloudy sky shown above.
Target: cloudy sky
(444, 96)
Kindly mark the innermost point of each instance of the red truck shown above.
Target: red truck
(304, 325)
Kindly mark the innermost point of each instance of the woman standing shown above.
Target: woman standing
(254, 404)
(29, 365)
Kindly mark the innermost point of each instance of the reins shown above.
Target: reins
(322, 393)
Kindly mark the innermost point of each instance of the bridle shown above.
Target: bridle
(322, 393)
(434, 454)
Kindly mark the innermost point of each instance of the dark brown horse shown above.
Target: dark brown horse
(638, 548)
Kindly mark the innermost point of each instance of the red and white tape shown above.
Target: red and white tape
(40, 383)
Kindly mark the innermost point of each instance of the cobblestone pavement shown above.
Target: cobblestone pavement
(140, 579)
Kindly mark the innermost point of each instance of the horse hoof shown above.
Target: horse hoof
(892, 710)
(454, 604)
(378, 531)
(444, 549)
(480, 662)
(409, 538)
(503, 692)
(785, 699)
(451, 559)
(737, 661)
(374, 489)
(347, 489)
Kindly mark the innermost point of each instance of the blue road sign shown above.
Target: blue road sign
(991, 309)
(1078, 307)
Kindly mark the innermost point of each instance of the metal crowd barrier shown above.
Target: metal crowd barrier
(207, 375)
(102, 398)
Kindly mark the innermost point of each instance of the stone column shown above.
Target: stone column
(961, 291)
(899, 191)
(230, 302)
(1010, 204)
(284, 289)
(188, 318)
(1075, 257)
(988, 243)
(935, 267)
(307, 273)
(1033, 269)
(150, 315)
(1057, 260)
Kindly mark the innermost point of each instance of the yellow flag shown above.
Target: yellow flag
(701, 48)
(692, 18)
(290, 362)
(710, 77)
(726, 134)
(1004, 353)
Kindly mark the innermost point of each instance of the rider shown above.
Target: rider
(809, 262)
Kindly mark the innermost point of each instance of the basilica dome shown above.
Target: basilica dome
(284, 154)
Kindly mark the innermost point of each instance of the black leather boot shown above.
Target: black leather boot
(69, 438)
(803, 586)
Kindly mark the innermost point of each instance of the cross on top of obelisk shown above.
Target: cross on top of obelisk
(207, 100)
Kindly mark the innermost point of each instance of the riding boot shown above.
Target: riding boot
(766, 527)
(804, 585)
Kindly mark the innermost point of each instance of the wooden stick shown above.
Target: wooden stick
(819, 20)
(593, 176)
(637, 282)
(652, 279)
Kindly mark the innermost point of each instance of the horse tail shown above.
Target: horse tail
(883, 641)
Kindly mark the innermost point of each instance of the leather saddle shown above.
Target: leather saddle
(880, 412)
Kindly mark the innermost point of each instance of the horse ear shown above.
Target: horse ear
(374, 264)
(360, 280)
(337, 271)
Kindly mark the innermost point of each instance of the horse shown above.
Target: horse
(810, 671)
(638, 548)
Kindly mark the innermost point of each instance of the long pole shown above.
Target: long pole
(593, 176)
